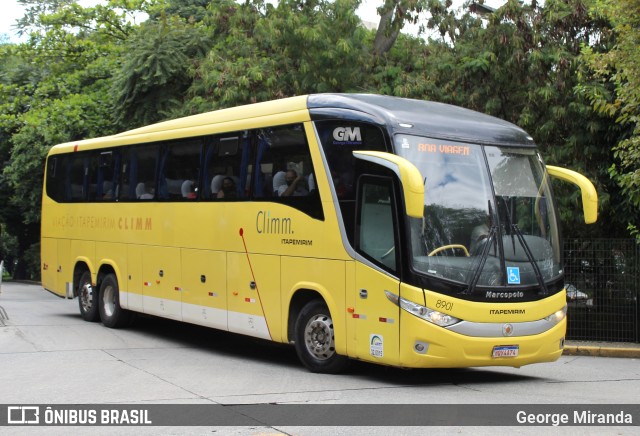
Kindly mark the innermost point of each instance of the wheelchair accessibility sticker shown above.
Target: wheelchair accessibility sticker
(513, 275)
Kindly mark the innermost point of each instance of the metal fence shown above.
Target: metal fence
(602, 289)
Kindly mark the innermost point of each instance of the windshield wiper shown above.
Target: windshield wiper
(493, 230)
(534, 264)
(514, 229)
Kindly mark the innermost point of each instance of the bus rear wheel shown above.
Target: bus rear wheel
(111, 314)
(87, 298)
(315, 339)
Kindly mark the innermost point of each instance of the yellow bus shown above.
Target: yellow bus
(394, 231)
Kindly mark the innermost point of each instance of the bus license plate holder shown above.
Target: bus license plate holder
(500, 351)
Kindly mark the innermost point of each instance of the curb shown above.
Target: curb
(577, 350)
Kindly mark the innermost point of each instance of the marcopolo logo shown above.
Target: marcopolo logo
(347, 135)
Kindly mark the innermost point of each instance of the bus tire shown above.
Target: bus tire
(88, 298)
(315, 339)
(111, 314)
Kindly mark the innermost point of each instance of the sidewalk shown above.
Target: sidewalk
(601, 349)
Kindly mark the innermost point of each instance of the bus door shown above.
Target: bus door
(376, 319)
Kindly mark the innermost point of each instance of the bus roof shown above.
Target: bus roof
(436, 120)
(282, 111)
(245, 112)
(401, 115)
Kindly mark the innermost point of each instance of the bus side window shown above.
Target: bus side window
(284, 169)
(376, 229)
(91, 175)
(139, 173)
(56, 177)
(339, 139)
(179, 172)
(76, 180)
(227, 170)
(106, 176)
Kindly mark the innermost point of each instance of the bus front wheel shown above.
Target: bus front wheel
(87, 298)
(111, 314)
(315, 339)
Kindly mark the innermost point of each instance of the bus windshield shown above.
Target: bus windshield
(488, 218)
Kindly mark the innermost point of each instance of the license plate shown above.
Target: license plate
(505, 351)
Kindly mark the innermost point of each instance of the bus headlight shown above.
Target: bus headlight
(433, 316)
(558, 316)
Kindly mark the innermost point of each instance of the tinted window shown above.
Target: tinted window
(339, 140)
(77, 182)
(284, 170)
(227, 169)
(376, 230)
(180, 170)
(56, 177)
(139, 173)
(106, 174)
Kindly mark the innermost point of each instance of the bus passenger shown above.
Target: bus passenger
(293, 186)
(228, 189)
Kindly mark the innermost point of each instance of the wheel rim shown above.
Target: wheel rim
(318, 337)
(109, 300)
(86, 297)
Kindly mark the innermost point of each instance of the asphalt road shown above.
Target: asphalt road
(49, 355)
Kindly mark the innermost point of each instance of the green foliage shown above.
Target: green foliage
(53, 88)
(48, 21)
(190, 10)
(521, 64)
(77, 116)
(616, 94)
(266, 52)
(567, 76)
(394, 14)
(155, 73)
(8, 250)
(31, 260)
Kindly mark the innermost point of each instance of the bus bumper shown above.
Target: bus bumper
(424, 345)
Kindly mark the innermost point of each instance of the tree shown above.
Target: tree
(191, 11)
(619, 68)
(153, 78)
(394, 14)
(53, 88)
(262, 52)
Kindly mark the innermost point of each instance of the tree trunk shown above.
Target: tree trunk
(386, 35)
